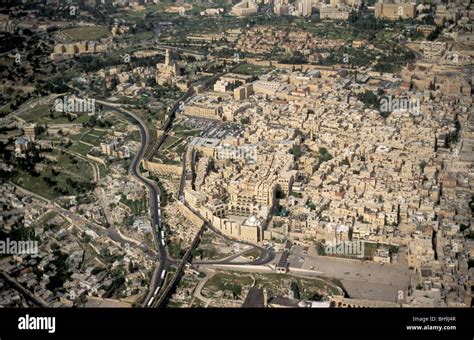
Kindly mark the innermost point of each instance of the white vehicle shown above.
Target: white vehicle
(156, 290)
(162, 242)
(162, 234)
(159, 213)
(151, 301)
(163, 274)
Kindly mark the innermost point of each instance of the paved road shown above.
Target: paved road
(197, 292)
(230, 259)
(158, 231)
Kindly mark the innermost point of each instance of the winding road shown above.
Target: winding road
(159, 274)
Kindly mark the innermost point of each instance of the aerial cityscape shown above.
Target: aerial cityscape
(227, 153)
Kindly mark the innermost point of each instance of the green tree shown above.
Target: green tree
(296, 151)
(422, 165)
(295, 289)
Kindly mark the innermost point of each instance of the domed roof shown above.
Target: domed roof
(252, 221)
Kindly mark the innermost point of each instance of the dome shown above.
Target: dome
(252, 221)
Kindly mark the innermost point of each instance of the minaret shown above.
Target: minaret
(167, 57)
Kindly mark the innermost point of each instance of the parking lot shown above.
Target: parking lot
(212, 128)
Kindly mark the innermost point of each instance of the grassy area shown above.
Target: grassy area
(102, 170)
(181, 147)
(331, 31)
(234, 283)
(136, 37)
(207, 252)
(221, 278)
(253, 70)
(77, 146)
(93, 137)
(181, 130)
(369, 249)
(176, 250)
(36, 113)
(6, 108)
(128, 100)
(170, 141)
(39, 186)
(87, 33)
(47, 221)
(136, 206)
(81, 148)
(252, 254)
(135, 136)
(70, 177)
(308, 287)
(59, 118)
(76, 167)
(46, 218)
(42, 114)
